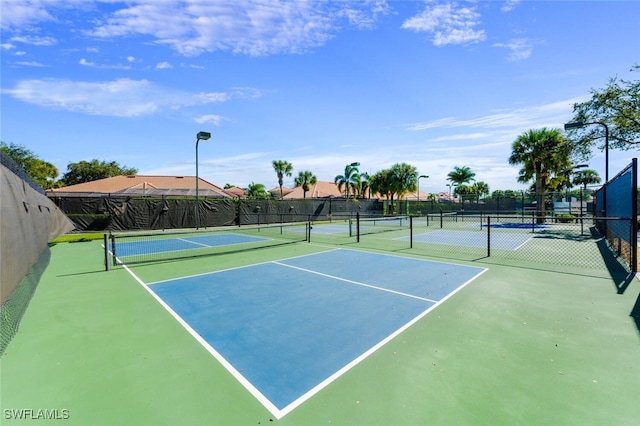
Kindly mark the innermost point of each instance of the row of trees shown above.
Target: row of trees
(45, 174)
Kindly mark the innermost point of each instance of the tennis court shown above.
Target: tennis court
(287, 328)
(268, 327)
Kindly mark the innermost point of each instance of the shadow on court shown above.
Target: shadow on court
(635, 313)
(618, 271)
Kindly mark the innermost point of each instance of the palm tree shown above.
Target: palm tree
(282, 169)
(462, 190)
(405, 178)
(363, 185)
(380, 183)
(542, 153)
(304, 179)
(350, 178)
(461, 175)
(586, 177)
(257, 190)
(481, 189)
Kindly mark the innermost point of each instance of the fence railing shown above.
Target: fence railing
(574, 241)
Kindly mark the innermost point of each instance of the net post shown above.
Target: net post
(358, 227)
(533, 222)
(410, 231)
(488, 236)
(441, 218)
(113, 249)
(105, 243)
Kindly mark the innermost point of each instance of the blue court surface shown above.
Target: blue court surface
(285, 329)
(503, 240)
(186, 243)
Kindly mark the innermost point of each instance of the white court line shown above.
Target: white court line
(192, 242)
(279, 413)
(356, 282)
(374, 348)
(226, 364)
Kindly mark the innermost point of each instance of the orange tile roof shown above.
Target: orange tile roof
(140, 184)
(321, 189)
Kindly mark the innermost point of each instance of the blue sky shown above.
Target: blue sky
(317, 83)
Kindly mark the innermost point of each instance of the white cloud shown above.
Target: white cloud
(120, 98)
(30, 64)
(163, 65)
(449, 24)
(509, 5)
(242, 26)
(527, 117)
(210, 119)
(86, 63)
(34, 40)
(17, 14)
(520, 48)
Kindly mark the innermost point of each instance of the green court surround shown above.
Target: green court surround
(516, 346)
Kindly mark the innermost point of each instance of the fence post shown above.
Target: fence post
(410, 231)
(488, 236)
(106, 252)
(113, 250)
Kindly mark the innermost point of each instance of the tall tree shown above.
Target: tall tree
(461, 175)
(350, 178)
(586, 177)
(480, 189)
(617, 106)
(305, 179)
(257, 190)
(381, 183)
(41, 172)
(363, 185)
(282, 169)
(542, 153)
(405, 178)
(88, 171)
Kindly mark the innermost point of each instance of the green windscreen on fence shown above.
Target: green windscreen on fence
(618, 199)
(29, 220)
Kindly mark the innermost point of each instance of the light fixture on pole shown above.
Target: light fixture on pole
(420, 177)
(580, 124)
(201, 136)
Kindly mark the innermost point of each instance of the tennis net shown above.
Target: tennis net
(131, 248)
(373, 225)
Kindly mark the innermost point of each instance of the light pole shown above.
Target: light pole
(420, 177)
(580, 124)
(200, 136)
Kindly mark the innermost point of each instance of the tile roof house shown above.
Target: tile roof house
(275, 192)
(140, 185)
(321, 189)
